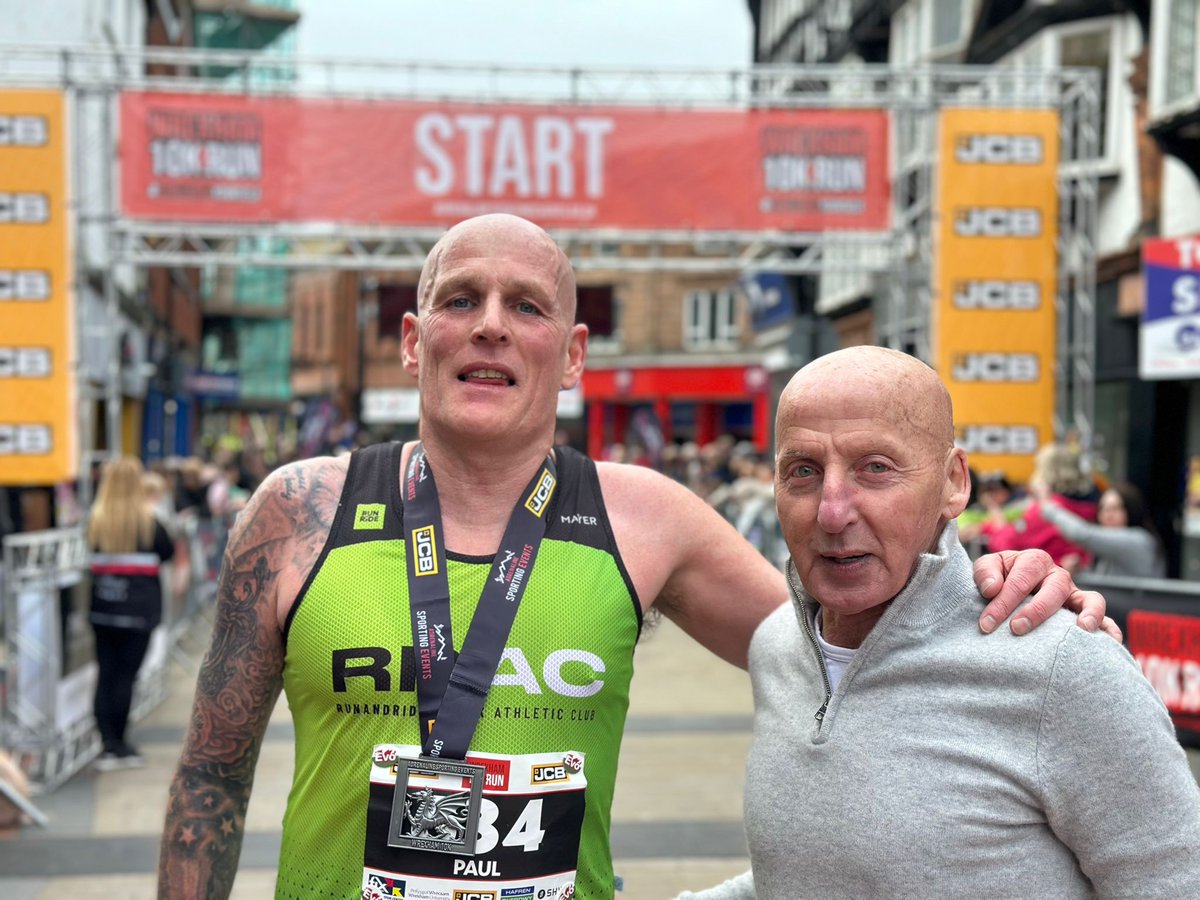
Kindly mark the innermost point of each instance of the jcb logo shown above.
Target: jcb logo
(546, 774)
(1016, 295)
(424, 550)
(998, 221)
(999, 439)
(474, 895)
(1021, 368)
(537, 501)
(1019, 149)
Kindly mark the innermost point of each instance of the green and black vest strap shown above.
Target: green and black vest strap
(367, 509)
(451, 692)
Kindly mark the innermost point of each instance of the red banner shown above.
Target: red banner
(1167, 647)
(283, 159)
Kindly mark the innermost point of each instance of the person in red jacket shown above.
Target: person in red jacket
(1058, 469)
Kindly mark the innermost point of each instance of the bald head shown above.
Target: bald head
(900, 386)
(501, 234)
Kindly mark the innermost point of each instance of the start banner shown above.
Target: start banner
(995, 280)
(410, 163)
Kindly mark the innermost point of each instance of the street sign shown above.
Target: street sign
(1170, 327)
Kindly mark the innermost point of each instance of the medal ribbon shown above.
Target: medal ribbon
(451, 693)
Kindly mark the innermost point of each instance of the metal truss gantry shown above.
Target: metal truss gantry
(898, 261)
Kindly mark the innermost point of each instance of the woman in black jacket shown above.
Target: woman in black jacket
(128, 546)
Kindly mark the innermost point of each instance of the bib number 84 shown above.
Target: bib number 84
(526, 832)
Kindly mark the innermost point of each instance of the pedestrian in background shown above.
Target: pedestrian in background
(1122, 540)
(996, 506)
(128, 546)
(1057, 472)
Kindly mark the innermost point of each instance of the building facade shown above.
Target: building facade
(671, 359)
(1145, 54)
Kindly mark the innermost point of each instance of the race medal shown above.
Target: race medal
(436, 804)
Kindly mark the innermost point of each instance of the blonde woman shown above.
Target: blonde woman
(128, 546)
(1058, 477)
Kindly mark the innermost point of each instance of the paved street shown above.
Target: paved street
(677, 812)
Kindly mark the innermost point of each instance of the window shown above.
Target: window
(903, 45)
(597, 307)
(394, 301)
(219, 350)
(1097, 44)
(1181, 50)
(1092, 49)
(947, 23)
(709, 319)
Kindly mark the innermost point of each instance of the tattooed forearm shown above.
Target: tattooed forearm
(236, 690)
(206, 817)
(274, 544)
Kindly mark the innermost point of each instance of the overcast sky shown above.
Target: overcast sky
(670, 33)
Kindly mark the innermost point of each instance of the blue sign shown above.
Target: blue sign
(1170, 328)
(214, 385)
(770, 297)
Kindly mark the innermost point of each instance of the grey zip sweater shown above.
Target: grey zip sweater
(950, 763)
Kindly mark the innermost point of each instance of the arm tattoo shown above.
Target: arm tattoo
(239, 682)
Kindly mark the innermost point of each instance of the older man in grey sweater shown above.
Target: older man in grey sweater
(899, 752)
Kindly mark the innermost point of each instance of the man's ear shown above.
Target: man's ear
(409, 337)
(576, 356)
(958, 483)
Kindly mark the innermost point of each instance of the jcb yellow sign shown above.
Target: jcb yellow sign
(995, 281)
(37, 420)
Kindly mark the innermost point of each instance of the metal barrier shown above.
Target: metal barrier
(751, 510)
(46, 718)
(39, 730)
(1161, 621)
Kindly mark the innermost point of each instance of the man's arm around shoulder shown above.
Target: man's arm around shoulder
(241, 676)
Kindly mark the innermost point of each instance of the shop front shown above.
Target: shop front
(654, 405)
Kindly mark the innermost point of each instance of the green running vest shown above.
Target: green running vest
(350, 673)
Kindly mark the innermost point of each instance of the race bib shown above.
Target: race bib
(527, 833)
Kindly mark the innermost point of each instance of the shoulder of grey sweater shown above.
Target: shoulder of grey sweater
(1097, 692)
(1091, 661)
(1000, 661)
(1102, 715)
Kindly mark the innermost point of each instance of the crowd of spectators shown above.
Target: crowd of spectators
(734, 477)
(1084, 523)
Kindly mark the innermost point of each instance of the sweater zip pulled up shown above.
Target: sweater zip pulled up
(793, 586)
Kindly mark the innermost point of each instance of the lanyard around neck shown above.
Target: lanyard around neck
(451, 693)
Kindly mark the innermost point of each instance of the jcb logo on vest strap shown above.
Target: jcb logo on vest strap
(540, 497)
(424, 543)
(474, 895)
(548, 774)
